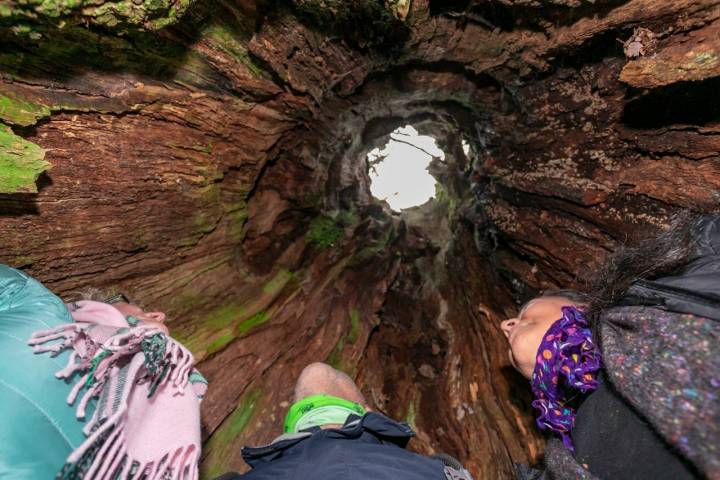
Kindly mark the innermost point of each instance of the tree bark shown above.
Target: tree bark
(208, 158)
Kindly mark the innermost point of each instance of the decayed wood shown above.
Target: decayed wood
(691, 57)
(215, 169)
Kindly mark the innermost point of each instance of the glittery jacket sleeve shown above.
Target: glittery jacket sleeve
(661, 352)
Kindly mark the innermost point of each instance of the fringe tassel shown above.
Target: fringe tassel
(107, 445)
(71, 367)
(169, 464)
(103, 455)
(54, 333)
(126, 468)
(181, 367)
(114, 453)
(76, 388)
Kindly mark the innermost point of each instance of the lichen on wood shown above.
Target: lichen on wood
(693, 57)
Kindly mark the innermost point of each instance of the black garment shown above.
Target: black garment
(371, 448)
(608, 432)
(658, 415)
(696, 288)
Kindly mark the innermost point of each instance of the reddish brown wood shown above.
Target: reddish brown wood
(190, 166)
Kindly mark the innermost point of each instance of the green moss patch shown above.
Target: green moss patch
(278, 282)
(347, 217)
(229, 41)
(205, 336)
(354, 325)
(411, 417)
(324, 232)
(21, 162)
(252, 322)
(213, 331)
(237, 223)
(335, 359)
(203, 223)
(224, 316)
(21, 261)
(209, 331)
(443, 196)
(119, 14)
(222, 446)
(220, 342)
(19, 112)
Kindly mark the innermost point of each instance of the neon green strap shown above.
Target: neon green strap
(321, 409)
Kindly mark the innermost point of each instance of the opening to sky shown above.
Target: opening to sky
(399, 171)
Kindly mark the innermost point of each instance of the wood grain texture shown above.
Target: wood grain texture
(214, 168)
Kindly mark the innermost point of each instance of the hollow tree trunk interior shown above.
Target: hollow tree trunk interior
(209, 158)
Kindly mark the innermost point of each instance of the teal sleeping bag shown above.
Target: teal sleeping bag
(38, 428)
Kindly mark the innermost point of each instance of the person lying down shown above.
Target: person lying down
(330, 432)
(628, 378)
(93, 389)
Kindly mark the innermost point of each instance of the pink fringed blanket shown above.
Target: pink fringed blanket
(146, 423)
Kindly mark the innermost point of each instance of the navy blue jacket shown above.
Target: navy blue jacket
(371, 447)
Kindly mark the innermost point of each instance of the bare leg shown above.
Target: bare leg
(322, 378)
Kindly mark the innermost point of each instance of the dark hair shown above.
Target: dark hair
(575, 296)
(661, 253)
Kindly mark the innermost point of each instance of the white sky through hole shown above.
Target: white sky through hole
(401, 177)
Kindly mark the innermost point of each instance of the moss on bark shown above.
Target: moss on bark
(118, 15)
(19, 112)
(21, 163)
(220, 449)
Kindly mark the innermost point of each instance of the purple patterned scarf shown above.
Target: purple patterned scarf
(567, 361)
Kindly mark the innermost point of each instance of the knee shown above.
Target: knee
(315, 378)
(316, 370)
(322, 378)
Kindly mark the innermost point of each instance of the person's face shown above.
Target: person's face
(525, 332)
(155, 319)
